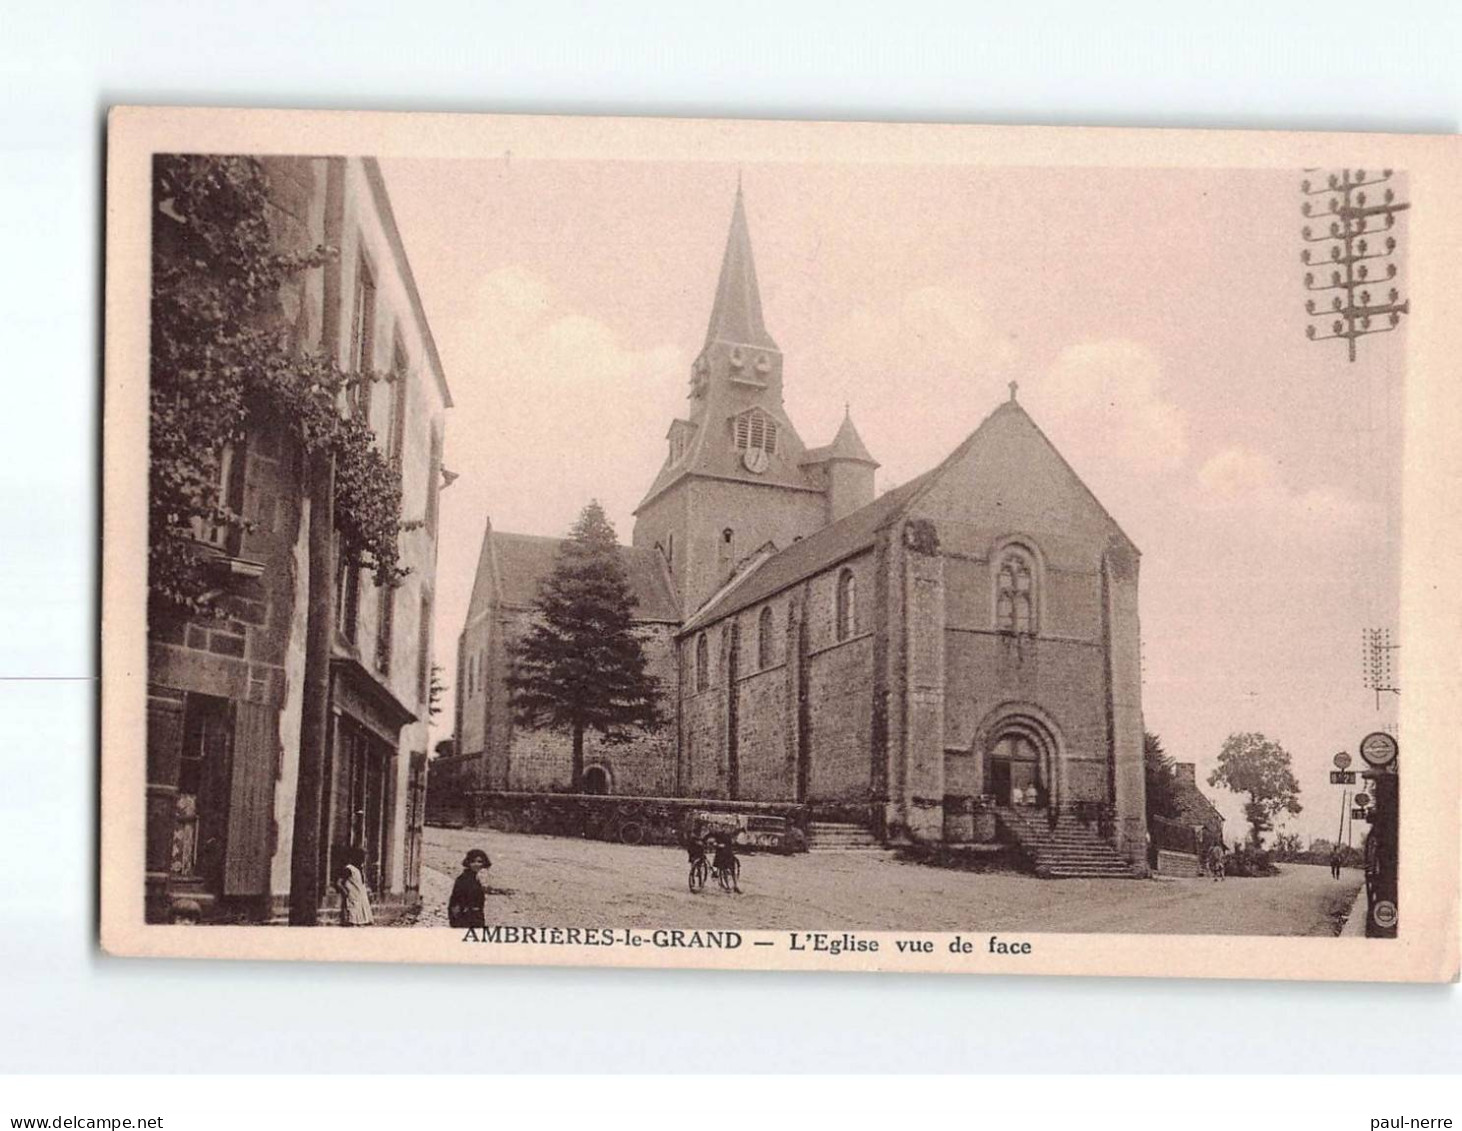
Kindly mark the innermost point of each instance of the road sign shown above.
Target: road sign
(1342, 761)
(1378, 749)
(1384, 914)
(1362, 799)
(1357, 814)
(1342, 777)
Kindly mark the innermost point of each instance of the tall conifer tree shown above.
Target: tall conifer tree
(582, 666)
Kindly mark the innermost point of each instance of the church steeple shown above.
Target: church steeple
(733, 478)
(736, 315)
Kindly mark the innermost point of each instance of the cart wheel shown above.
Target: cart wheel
(632, 832)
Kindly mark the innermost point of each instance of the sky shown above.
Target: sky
(1153, 319)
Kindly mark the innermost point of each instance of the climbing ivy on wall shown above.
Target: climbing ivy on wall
(222, 364)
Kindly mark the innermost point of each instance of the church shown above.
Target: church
(966, 641)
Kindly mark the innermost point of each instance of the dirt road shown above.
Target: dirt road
(557, 881)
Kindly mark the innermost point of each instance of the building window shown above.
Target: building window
(385, 628)
(847, 610)
(229, 495)
(347, 594)
(764, 638)
(756, 430)
(396, 440)
(702, 663)
(362, 342)
(1015, 592)
(423, 652)
(434, 482)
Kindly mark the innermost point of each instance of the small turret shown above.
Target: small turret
(845, 468)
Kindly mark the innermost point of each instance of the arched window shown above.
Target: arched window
(1015, 592)
(702, 663)
(847, 604)
(764, 638)
(727, 535)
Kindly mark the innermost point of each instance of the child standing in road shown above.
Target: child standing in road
(466, 908)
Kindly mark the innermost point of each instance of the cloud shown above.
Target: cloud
(921, 370)
(1113, 392)
(559, 408)
(1242, 480)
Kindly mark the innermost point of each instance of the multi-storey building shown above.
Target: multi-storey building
(226, 696)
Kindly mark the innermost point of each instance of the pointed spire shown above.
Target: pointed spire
(736, 315)
(847, 444)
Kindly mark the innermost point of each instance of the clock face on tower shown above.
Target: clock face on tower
(755, 460)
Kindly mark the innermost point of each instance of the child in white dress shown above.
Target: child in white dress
(355, 897)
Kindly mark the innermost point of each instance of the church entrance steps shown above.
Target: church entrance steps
(832, 836)
(1070, 849)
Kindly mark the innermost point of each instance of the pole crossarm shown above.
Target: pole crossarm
(1355, 218)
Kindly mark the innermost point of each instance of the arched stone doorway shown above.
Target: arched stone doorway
(597, 781)
(1020, 757)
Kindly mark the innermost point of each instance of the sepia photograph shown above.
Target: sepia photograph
(775, 545)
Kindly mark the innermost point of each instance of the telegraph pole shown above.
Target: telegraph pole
(304, 863)
(1377, 667)
(1356, 217)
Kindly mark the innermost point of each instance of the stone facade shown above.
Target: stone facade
(226, 697)
(970, 635)
(509, 757)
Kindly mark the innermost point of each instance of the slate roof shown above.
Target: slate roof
(520, 562)
(856, 532)
(847, 445)
(844, 538)
(736, 315)
(1194, 808)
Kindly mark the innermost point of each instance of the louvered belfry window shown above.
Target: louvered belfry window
(756, 430)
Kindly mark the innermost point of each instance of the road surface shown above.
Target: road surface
(559, 881)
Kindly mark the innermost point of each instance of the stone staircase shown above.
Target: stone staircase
(832, 836)
(1072, 850)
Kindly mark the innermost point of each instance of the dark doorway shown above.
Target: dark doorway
(362, 809)
(1015, 772)
(200, 832)
(596, 781)
(1000, 780)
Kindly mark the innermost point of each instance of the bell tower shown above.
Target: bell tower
(733, 478)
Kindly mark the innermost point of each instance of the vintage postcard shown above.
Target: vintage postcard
(779, 545)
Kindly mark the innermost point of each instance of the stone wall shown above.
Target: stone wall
(542, 760)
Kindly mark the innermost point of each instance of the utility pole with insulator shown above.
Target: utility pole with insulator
(1377, 668)
(1356, 218)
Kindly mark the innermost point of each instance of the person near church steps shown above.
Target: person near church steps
(465, 908)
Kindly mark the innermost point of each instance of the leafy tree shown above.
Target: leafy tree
(581, 666)
(221, 367)
(1250, 763)
(1161, 773)
(1287, 846)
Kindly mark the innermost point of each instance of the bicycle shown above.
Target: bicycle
(699, 872)
(727, 877)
